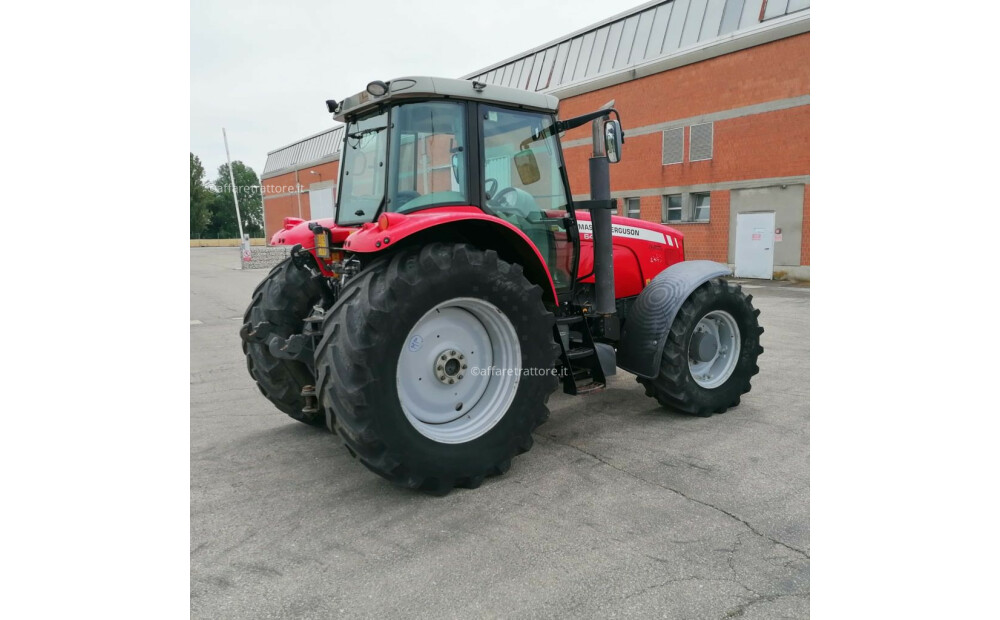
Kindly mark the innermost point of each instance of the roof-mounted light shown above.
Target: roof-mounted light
(377, 88)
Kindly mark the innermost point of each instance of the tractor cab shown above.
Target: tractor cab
(418, 144)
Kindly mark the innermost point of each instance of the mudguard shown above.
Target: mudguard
(645, 330)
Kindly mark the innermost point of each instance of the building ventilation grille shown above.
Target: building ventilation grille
(701, 142)
(673, 146)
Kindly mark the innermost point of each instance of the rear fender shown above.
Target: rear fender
(457, 225)
(645, 330)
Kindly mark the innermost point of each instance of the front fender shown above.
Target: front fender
(645, 330)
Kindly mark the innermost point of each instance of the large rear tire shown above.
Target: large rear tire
(284, 298)
(711, 352)
(403, 363)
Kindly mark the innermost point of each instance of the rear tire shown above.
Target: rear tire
(371, 366)
(679, 384)
(284, 298)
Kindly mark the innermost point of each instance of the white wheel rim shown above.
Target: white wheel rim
(714, 349)
(458, 370)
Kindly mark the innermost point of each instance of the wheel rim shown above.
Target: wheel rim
(714, 349)
(458, 370)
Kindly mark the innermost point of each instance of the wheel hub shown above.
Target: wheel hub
(450, 367)
(458, 370)
(714, 349)
(704, 346)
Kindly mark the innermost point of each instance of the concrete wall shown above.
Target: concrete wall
(223, 243)
(786, 201)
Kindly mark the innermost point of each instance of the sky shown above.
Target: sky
(264, 70)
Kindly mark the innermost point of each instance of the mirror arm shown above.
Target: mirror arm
(566, 125)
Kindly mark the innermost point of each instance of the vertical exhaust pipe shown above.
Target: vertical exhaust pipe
(600, 189)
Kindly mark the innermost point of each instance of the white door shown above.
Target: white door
(755, 245)
(321, 203)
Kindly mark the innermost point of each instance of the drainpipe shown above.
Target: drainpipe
(298, 192)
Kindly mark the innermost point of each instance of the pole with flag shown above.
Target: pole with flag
(244, 242)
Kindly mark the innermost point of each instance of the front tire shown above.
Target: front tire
(401, 357)
(711, 352)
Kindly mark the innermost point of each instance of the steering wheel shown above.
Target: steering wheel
(506, 205)
(491, 188)
(500, 201)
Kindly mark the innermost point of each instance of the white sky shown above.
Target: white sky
(264, 70)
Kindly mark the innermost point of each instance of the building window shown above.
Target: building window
(672, 208)
(673, 146)
(632, 208)
(701, 142)
(700, 206)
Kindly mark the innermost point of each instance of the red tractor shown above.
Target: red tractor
(460, 284)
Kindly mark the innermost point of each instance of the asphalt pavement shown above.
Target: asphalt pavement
(622, 509)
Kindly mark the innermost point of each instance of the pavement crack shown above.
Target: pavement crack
(740, 610)
(681, 493)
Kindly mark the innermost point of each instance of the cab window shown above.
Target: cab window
(524, 184)
(427, 156)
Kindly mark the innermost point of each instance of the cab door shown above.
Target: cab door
(524, 184)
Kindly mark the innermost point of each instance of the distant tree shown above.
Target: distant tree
(201, 198)
(248, 192)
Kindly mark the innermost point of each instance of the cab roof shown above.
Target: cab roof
(419, 87)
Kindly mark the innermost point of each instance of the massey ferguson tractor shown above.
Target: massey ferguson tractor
(460, 284)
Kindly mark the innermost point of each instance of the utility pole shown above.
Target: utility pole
(244, 245)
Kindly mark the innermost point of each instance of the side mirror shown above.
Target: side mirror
(613, 139)
(527, 167)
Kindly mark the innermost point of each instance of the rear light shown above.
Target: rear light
(322, 244)
(383, 221)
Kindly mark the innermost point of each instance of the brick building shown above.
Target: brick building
(714, 99)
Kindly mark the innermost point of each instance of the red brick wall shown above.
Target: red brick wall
(277, 207)
(709, 240)
(771, 144)
(777, 70)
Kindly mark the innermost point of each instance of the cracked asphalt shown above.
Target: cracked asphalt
(622, 509)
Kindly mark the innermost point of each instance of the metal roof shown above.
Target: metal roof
(323, 145)
(649, 32)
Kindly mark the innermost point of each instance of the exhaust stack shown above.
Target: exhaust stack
(600, 189)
